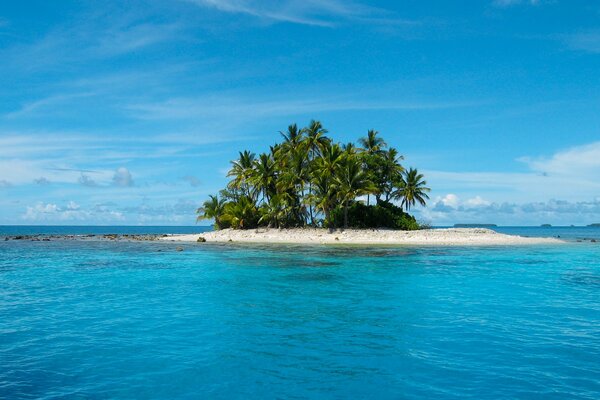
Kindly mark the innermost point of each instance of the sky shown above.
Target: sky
(129, 112)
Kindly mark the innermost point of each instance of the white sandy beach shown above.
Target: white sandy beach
(437, 237)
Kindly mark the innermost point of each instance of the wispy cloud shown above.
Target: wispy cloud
(579, 161)
(570, 174)
(325, 13)
(91, 37)
(241, 107)
(508, 3)
(583, 41)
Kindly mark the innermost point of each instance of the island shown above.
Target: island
(309, 236)
(310, 189)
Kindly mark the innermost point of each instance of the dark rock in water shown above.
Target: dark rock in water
(6, 239)
(593, 240)
(19, 238)
(179, 248)
(201, 240)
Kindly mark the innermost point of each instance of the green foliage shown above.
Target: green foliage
(241, 214)
(382, 215)
(308, 180)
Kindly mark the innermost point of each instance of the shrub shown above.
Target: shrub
(381, 215)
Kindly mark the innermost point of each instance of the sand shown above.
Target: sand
(437, 237)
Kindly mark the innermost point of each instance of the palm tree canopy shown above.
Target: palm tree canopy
(371, 143)
(308, 179)
(413, 189)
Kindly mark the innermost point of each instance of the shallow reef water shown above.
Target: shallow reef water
(102, 319)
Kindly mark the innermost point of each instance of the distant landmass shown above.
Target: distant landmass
(546, 226)
(594, 225)
(475, 225)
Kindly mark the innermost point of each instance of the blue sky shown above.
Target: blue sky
(128, 112)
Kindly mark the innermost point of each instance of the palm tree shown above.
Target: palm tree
(240, 214)
(292, 138)
(314, 142)
(389, 172)
(315, 138)
(351, 182)
(413, 189)
(212, 208)
(324, 196)
(371, 143)
(274, 212)
(241, 171)
(263, 176)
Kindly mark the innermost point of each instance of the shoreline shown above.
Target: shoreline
(433, 237)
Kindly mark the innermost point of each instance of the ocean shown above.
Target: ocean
(118, 319)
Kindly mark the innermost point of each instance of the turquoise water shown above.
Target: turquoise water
(101, 319)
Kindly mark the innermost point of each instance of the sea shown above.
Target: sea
(101, 319)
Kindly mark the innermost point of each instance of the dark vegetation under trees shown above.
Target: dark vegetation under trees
(309, 180)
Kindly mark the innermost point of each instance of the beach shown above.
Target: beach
(437, 237)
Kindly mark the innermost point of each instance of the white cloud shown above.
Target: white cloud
(325, 13)
(181, 212)
(122, 178)
(478, 210)
(71, 212)
(85, 180)
(575, 161)
(41, 181)
(477, 201)
(572, 174)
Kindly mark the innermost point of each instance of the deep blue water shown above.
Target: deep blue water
(99, 319)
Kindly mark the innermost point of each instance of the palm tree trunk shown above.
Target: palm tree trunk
(345, 215)
(310, 207)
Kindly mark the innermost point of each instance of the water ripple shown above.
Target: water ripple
(123, 320)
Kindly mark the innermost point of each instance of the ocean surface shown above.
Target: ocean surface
(116, 319)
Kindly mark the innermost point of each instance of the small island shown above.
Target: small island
(309, 189)
(309, 180)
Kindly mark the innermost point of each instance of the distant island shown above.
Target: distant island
(594, 225)
(309, 180)
(546, 226)
(475, 225)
